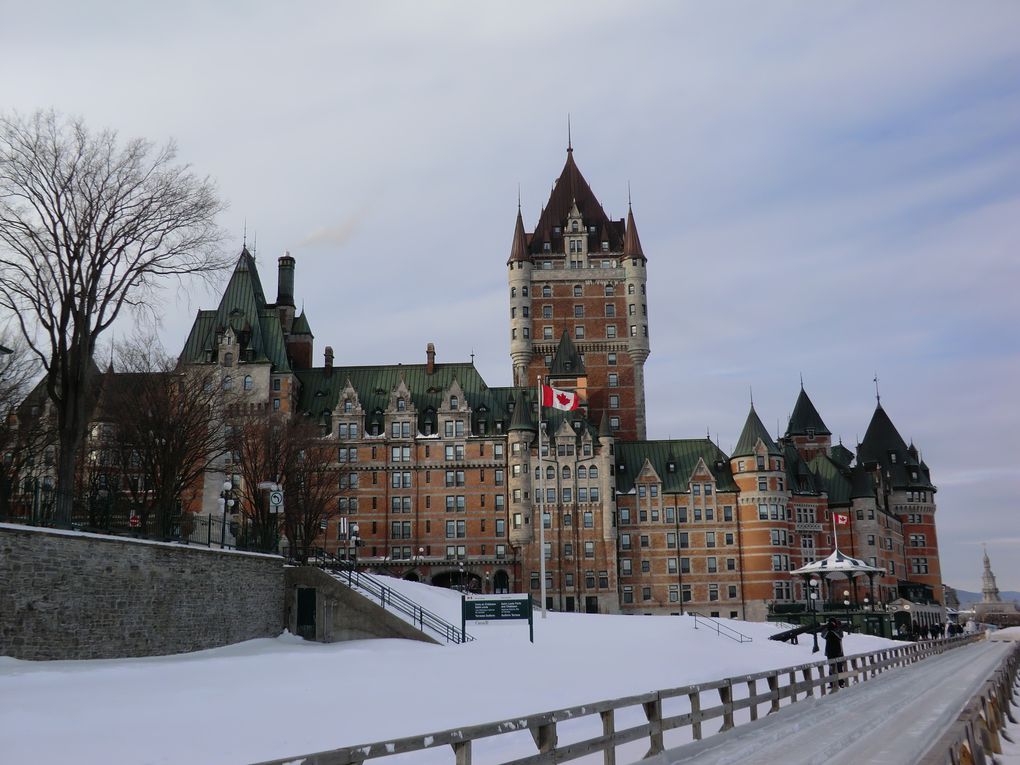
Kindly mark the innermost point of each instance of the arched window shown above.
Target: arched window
(228, 359)
(582, 472)
(630, 289)
(248, 382)
(538, 473)
(401, 405)
(454, 402)
(577, 290)
(565, 473)
(348, 406)
(593, 472)
(228, 383)
(610, 291)
(513, 292)
(573, 226)
(546, 290)
(550, 473)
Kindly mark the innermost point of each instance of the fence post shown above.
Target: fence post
(653, 711)
(545, 737)
(773, 681)
(695, 699)
(752, 691)
(609, 731)
(462, 752)
(726, 697)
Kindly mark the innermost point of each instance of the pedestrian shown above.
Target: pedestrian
(833, 636)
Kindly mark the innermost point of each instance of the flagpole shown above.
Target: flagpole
(835, 539)
(541, 498)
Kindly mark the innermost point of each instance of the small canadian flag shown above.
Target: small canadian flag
(559, 399)
(841, 519)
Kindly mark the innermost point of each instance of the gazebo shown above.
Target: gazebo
(839, 565)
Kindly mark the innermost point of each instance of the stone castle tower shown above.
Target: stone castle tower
(578, 290)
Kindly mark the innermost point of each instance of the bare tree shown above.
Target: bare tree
(311, 490)
(25, 434)
(163, 420)
(87, 227)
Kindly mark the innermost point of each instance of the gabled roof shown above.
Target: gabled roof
(321, 389)
(684, 453)
(567, 361)
(571, 188)
(805, 418)
(244, 309)
(754, 430)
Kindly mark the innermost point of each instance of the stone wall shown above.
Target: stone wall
(65, 595)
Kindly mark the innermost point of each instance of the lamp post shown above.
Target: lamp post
(354, 543)
(814, 612)
(846, 605)
(226, 503)
(487, 572)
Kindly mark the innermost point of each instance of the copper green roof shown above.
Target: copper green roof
(321, 389)
(805, 418)
(522, 418)
(799, 475)
(567, 361)
(300, 326)
(841, 455)
(883, 444)
(243, 308)
(754, 430)
(834, 479)
(684, 453)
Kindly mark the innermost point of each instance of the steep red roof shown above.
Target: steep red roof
(571, 188)
(631, 241)
(519, 248)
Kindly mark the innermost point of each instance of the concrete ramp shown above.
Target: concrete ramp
(320, 607)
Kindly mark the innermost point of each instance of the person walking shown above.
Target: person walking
(833, 636)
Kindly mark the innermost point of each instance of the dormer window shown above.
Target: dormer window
(401, 404)
(228, 359)
(454, 402)
(671, 467)
(892, 457)
(810, 434)
(573, 226)
(546, 247)
(605, 247)
(556, 230)
(761, 462)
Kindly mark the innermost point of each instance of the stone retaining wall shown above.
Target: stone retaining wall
(67, 595)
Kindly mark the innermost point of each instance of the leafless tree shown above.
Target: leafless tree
(311, 490)
(25, 434)
(89, 225)
(293, 454)
(163, 419)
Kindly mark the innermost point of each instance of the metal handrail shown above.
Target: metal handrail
(720, 628)
(420, 616)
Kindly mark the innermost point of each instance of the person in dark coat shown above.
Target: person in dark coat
(833, 635)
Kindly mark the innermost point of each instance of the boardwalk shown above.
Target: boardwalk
(890, 720)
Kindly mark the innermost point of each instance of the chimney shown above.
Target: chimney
(430, 359)
(285, 280)
(329, 360)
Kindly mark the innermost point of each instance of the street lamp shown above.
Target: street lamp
(487, 572)
(814, 612)
(846, 605)
(227, 502)
(354, 542)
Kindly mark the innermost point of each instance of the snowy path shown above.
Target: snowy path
(888, 720)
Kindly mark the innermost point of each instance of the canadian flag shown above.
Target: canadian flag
(559, 399)
(841, 519)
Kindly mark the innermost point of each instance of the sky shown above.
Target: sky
(827, 190)
(366, 691)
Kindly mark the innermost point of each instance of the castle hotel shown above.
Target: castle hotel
(446, 477)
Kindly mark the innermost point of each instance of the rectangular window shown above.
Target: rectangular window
(589, 549)
(684, 540)
(709, 539)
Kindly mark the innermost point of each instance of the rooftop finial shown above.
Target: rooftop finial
(244, 234)
(254, 242)
(878, 397)
(570, 144)
(802, 381)
(518, 197)
(750, 389)
(628, 195)
(472, 357)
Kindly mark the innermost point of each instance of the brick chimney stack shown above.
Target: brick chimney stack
(329, 360)
(430, 359)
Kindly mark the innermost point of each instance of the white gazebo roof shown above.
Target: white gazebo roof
(838, 563)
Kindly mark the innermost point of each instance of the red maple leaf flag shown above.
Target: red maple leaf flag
(559, 399)
(841, 519)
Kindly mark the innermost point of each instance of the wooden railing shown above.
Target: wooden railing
(772, 688)
(975, 735)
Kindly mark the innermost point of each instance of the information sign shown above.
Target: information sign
(488, 608)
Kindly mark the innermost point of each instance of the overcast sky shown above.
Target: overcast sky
(828, 189)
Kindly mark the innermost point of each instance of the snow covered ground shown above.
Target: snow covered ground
(272, 698)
